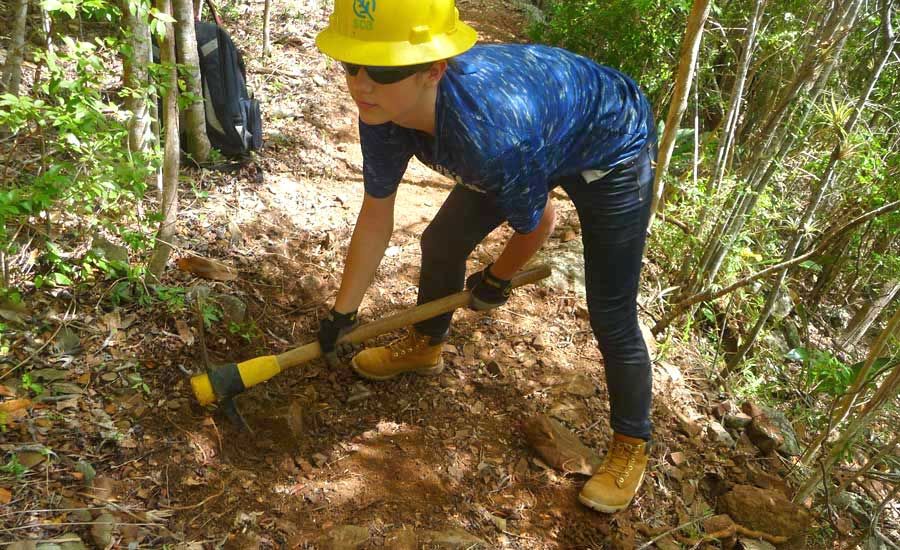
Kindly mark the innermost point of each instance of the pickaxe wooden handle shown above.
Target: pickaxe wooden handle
(226, 381)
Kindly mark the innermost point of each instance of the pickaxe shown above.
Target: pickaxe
(224, 382)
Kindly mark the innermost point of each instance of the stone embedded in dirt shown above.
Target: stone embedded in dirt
(761, 431)
(402, 539)
(790, 446)
(48, 375)
(234, 310)
(578, 385)
(719, 410)
(296, 418)
(678, 458)
(667, 543)
(570, 410)
(686, 425)
(764, 510)
(539, 342)
(102, 530)
(649, 339)
(311, 286)
(344, 537)
(755, 544)
(559, 447)
(719, 435)
(451, 539)
(319, 459)
(719, 523)
(360, 392)
(737, 421)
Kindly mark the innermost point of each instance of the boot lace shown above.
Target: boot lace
(410, 343)
(620, 461)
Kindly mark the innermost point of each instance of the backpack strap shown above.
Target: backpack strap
(215, 12)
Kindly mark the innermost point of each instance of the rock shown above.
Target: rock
(48, 375)
(649, 339)
(578, 384)
(319, 459)
(311, 286)
(720, 410)
(360, 392)
(107, 250)
(571, 411)
(719, 523)
(559, 447)
(566, 262)
(402, 539)
(678, 458)
(737, 421)
(102, 530)
(764, 510)
(344, 537)
(234, 310)
(783, 305)
(719, 435)
(761, 431)
(539, 342)
(452, 538)
(755, 544)
(67, 341)
(23, 545)
(790, 446)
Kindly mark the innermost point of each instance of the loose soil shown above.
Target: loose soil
(328, 449)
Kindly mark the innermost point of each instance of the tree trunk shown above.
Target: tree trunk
(137, 77)
(825, 183)
(867, 314)
(15, 51)
(737, 93)
(169, 195)
(690, 47)
(267, 17)
(197, 142)
(832, 265)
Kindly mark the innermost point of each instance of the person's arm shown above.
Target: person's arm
(522, 246)
(371, 236)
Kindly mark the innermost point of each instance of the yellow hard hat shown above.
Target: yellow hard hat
(392, 33)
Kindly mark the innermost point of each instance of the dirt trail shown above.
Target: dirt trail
(430, 454)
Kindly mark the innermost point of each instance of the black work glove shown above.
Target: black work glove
(488, 291)
(331, 328)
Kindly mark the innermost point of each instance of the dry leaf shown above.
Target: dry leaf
(14, 405)
(5, 391)
(5, 495)
(206, 268)
(184, 332)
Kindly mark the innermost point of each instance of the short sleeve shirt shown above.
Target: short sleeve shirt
(510, 120)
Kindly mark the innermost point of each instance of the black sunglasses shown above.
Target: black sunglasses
(386, 75)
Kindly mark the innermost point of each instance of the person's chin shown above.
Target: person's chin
(373, 116)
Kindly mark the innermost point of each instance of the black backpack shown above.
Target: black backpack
(233, 117)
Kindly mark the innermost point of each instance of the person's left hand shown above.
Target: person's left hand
(488, 291)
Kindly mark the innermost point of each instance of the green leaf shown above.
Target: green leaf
(811, 265)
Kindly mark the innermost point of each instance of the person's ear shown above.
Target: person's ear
(435, 73)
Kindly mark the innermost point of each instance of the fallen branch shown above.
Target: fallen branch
(824, 244)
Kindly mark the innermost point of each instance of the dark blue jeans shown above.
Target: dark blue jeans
(614, 212)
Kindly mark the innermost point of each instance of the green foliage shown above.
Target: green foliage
(639, 37)
(30, 385)
(825, 373)
(14, 467)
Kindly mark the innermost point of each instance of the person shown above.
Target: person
(508, 123)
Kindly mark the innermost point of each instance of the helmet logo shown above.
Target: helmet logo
(365, 13)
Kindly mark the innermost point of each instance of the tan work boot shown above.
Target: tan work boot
(617, 479)
(412, 353)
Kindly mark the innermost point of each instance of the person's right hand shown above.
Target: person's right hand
(331, 328)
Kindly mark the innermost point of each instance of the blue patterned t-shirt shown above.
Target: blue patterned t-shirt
(511, 119)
